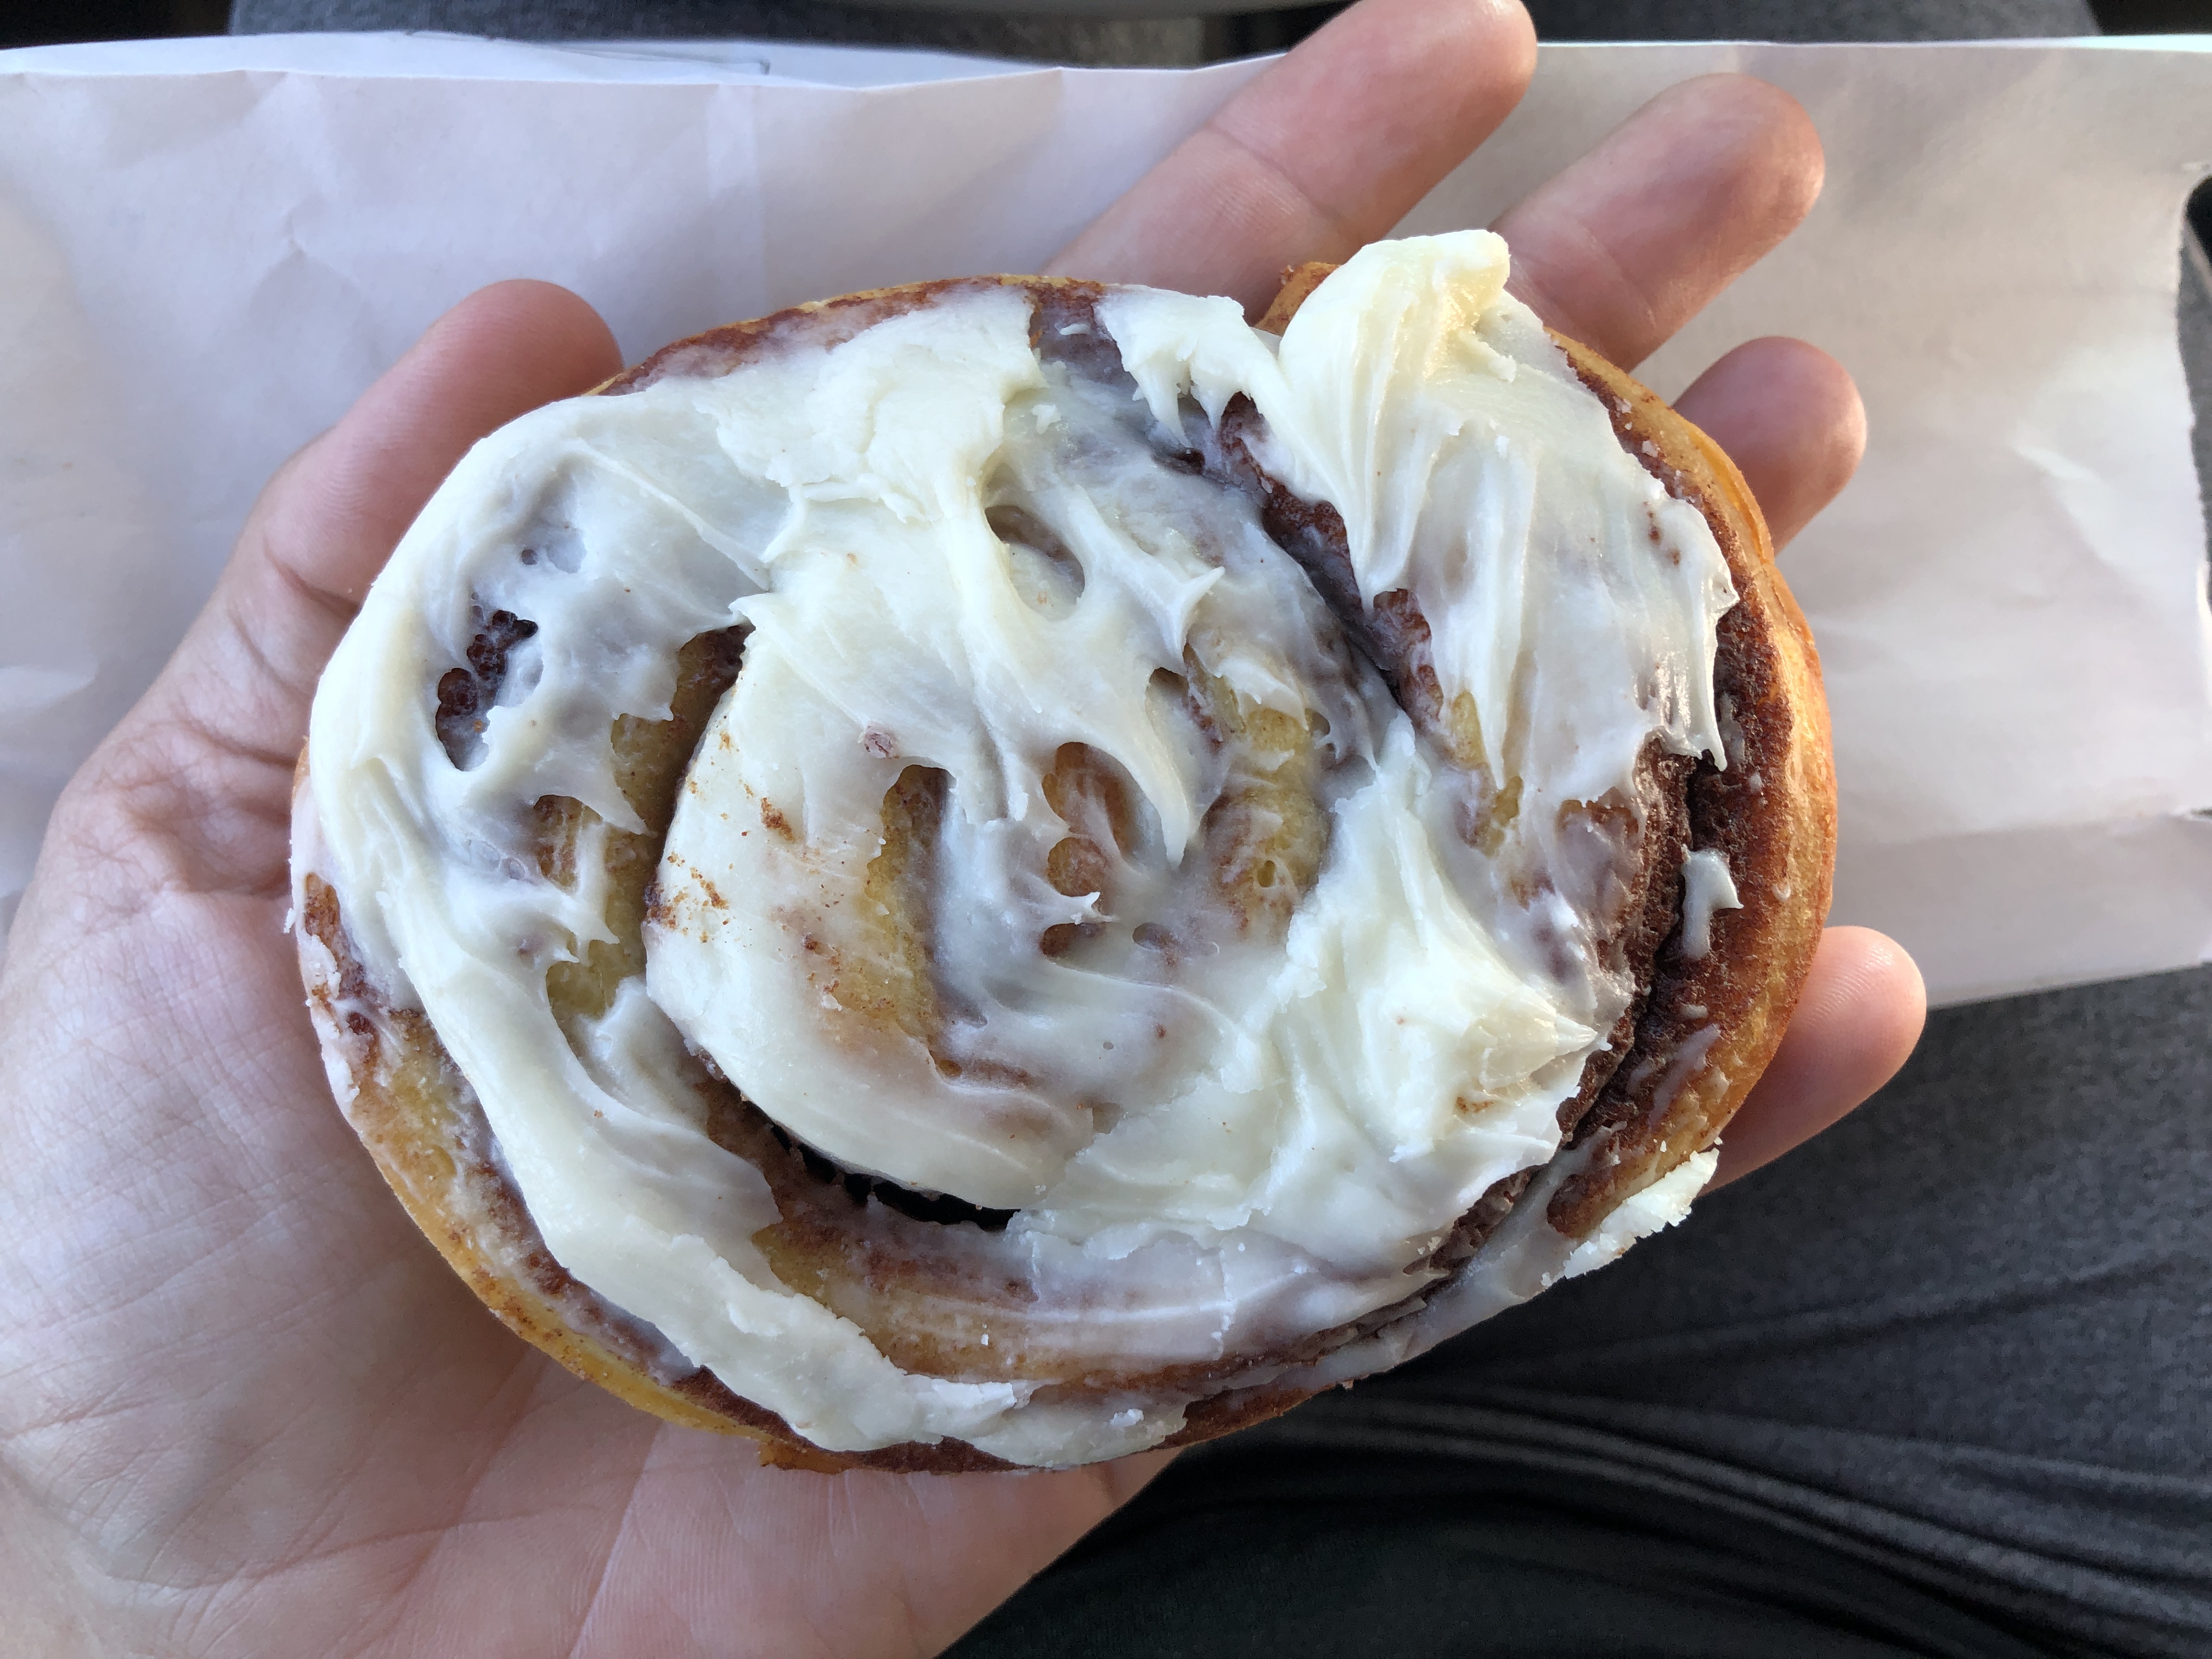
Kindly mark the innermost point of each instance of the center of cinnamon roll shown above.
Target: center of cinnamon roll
(985, 865)
(1058, 849)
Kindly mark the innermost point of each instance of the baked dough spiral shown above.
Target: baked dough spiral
(1005, 872)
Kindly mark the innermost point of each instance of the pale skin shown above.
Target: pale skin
(244, 1408)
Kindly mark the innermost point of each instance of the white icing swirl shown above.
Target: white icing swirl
(1222, 1130)
(1707, 887)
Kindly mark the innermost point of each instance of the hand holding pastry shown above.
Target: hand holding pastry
(254, 1404)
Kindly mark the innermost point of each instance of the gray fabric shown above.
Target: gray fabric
(1793, 20)
(1171, 41)
(1400, 1554)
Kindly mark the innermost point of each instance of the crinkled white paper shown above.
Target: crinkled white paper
(208, 248)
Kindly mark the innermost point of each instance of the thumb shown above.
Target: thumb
(203, 765)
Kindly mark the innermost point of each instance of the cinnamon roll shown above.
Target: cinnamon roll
(1002, 872)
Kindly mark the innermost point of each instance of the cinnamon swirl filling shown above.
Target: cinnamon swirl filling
(1018, 867)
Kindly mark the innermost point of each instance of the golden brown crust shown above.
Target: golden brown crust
(418, 1118)
(1298, 283)
(1771, 812)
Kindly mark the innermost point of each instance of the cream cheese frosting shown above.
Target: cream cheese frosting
(1219, 1128)
(1707, 887)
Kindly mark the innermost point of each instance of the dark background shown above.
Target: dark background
(36, 22)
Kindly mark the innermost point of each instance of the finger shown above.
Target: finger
(327, 523)
(1861, 1012)
(1790, 417)
(1631, 241)
(331, 517)
(1325, 151)
(205, 760)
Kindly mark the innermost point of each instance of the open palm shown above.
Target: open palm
(243, 1407)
